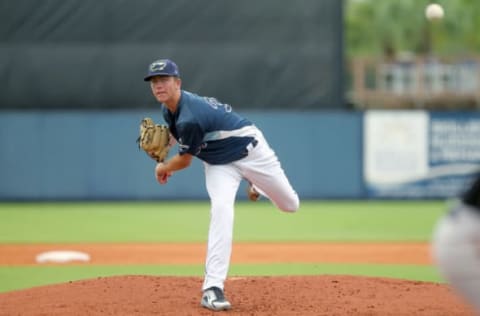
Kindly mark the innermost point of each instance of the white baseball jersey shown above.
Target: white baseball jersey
(456, 245)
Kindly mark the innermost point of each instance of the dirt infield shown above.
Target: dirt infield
(294, 295)
(194, 253)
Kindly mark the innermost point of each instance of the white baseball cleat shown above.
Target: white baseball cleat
(214, 299)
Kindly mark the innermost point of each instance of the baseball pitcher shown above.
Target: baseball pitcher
(232, 149)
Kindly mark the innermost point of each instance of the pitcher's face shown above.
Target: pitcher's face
(165, 88)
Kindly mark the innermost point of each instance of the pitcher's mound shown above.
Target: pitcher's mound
(293, 295)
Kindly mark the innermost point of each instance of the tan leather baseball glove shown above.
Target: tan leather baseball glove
(154, 139)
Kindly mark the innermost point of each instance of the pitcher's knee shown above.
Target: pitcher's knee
(290, 205)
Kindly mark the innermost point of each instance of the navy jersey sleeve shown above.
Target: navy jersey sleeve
(190, 138)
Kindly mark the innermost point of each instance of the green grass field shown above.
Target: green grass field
(355, 221)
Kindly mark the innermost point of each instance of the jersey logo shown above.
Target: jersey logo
(215, 104)
(182, 146)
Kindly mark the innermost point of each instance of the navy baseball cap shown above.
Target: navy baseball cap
(162, 67)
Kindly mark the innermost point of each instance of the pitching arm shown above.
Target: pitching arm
(163, 170)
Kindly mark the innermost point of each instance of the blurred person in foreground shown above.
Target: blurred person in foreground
(232, 149)
(456, 245)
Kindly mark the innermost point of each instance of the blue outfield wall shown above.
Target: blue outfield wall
(74, 155)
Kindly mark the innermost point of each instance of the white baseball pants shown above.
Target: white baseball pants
(262, 168)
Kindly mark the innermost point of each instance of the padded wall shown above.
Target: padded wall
(90, 54)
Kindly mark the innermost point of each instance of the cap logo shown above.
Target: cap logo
(158, 66)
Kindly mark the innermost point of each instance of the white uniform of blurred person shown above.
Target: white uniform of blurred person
(456, 245)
